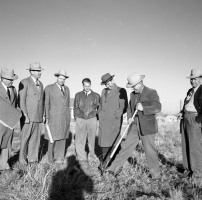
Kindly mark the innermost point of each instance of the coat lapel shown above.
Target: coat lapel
(39, 92)
(66, 94)
(113, 91)
(143, 94)
(33, 85)
(3, 92)
(13, 94)
(59, 93)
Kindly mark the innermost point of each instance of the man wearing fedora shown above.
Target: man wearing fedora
(191, 118)
(57, 113)
(86, 105)
(8, 95)
(113, 105)
(143, 127)
(31, 100)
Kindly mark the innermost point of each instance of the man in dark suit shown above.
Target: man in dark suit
(32, 105)
(113, 105)
(143, 127)
(8, 95)
(57, 112)
(191, 116)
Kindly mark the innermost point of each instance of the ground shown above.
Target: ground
(75, 180)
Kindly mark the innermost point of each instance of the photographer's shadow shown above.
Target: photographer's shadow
(70, 183)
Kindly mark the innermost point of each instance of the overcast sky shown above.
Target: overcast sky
(161, 39)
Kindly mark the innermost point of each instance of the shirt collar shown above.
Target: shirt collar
(4, 85)
(87, 92)
(196, 88)
(35, 80)
(60, 85)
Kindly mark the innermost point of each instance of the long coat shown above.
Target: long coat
(113, 106)
(5, 132)
(31, 99)
(151, 106)
(57, 111)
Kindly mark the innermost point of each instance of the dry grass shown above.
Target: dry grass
(61, 182)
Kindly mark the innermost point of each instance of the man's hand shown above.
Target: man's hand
(139, 107)
(130, 120)
(46, 122)
(125, 136)
(179, 116)
(26, 119)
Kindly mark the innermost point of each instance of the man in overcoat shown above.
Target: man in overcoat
(8, 95)
(57, 113)
(86, 103)
(143, 127)
(191, 133)
(113, 105)
(31, 100)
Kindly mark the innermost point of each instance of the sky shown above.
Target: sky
(161, 39)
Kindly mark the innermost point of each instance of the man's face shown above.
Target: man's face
(7, 82)
(195, 82)
(61, 80)
(86, 86)
(109, 84)
(36, 74)
(138, 87)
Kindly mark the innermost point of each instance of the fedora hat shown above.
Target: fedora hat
(62, 73)
(8, 73)
(134, 79)
(35, 66)
(106, 78)
(195, 73)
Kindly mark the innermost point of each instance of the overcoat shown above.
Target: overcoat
(5, 132)
(113, 106)
(57, 111)
(151, 106)
(31, 99)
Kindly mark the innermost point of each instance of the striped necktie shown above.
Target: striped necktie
(188, 98)
(9, 93)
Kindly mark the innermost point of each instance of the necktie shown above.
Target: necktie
(86, 94)
(62, 90)
(9, 94)
(189, 96)
(37, 84)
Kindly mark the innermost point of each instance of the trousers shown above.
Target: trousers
(30, 142)
(56, 150)
(192, 144)
(128, 146)
(85, 130)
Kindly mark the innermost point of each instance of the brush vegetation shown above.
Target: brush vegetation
(77, 181)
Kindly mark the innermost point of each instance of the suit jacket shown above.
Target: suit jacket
(57, 111)
(111, 110)
(8, 112)
(197, 103)
(31, 99)
(151, 106)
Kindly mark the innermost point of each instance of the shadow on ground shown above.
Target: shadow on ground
(70, 183)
